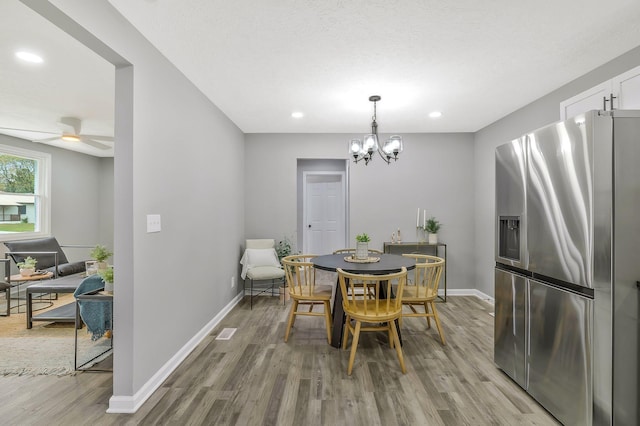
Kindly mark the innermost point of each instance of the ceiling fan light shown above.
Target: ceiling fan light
(70, 138)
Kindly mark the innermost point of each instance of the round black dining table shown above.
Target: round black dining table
(388, 264)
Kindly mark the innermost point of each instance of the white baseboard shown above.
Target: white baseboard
(467, 292)
(131, 404)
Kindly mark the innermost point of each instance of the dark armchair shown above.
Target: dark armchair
(48, 253)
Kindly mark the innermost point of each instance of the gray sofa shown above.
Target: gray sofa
(48, 253)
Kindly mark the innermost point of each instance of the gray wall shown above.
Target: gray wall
(169, 139)
(81, 191)
(543, 111)
(435, 172)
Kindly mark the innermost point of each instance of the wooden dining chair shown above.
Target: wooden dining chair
(378, 313)
(301, 281)
(422, 290)
(352, 251)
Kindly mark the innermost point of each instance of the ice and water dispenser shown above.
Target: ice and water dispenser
(509, 237)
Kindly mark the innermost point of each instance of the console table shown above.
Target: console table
(421, 248)
(100, 296)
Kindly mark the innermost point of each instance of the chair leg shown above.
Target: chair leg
(346, 331)
(396, 339)
(438, 325)
(7, 295)
(354, 347)
(427, 314)
(292, 316)
(327, 316)
(251, 296)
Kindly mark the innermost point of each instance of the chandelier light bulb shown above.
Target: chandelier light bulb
(356, 146)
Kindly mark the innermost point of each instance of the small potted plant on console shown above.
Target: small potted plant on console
(432, 227)
(107, 278)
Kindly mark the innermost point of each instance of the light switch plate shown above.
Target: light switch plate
(153, 223)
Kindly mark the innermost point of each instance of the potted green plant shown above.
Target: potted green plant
(432, 227)
(362, 246)
(101, 253)
(107, 278)
(27, 266)
(283, 248)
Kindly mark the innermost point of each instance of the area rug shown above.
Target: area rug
(47, 348)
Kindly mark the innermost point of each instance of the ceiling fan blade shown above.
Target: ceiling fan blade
(27, 130)
(94, 144)
(47, 139)
(97, 138)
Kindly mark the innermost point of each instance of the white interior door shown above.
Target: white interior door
(324, 213)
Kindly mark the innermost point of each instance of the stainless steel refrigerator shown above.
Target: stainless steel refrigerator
(567, 277)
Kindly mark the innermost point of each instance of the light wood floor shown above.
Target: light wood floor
(257, 379)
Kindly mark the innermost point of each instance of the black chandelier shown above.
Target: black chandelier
(364, 149)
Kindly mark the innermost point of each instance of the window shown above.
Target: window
(24, 193)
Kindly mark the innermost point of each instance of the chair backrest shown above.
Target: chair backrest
(264, 243)
(379, 286)
(300, 274)
(49, 245)
(426, 276)
(352, 250)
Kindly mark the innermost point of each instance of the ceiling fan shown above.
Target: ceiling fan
(72, 132)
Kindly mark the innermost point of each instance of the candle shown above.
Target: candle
(418, 218)
(424, 218)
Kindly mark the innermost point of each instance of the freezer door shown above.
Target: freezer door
(560, 200)
(509, 325)
(559, 352)
(510, 204)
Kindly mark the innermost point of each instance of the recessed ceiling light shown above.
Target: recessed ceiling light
(435, 114)
(29, 57)
(297, 114)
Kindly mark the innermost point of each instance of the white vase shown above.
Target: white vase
(433, 238)
(362, 250)
(27, 272)
(108, 287)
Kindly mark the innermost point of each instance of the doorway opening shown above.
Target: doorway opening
(323, 206)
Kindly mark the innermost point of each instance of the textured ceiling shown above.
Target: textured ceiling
(474, 61)
(261, 60)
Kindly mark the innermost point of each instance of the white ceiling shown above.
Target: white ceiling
(261, 60)
(71, 82)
